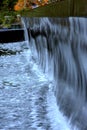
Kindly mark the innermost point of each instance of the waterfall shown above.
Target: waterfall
(61, 45)
(23, 20)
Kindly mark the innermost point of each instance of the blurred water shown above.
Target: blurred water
(27, 101)
(60, 45)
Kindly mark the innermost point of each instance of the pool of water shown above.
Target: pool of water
(27, 101)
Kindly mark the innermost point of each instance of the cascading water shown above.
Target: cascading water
(61, 45)
(27, 101)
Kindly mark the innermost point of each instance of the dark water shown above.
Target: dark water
(60, 44)
(27, 100)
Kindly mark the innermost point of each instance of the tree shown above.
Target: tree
(8, 4)
(29, 4)
(1, 1)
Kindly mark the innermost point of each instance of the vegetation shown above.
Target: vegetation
(7, 18)
(7, 13)
(29, 4)
(10, 8)
(20, 4)
(7, 4)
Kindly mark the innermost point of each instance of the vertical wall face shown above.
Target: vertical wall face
(80, 7)
(11, 35)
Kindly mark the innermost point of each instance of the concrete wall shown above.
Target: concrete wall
(7, 36)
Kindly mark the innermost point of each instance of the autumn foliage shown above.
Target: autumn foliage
(29, 4)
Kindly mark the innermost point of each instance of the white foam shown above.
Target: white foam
(58, 120)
